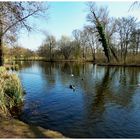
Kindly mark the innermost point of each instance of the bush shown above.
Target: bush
(11, 93)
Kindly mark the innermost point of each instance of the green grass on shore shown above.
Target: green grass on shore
(11, 93)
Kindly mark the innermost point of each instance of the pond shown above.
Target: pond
(104, 104)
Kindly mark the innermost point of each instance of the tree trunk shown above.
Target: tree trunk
(102, 39)
(1, 42)
(121, 50)
(50, 52)
(94, 58)
(1, 52)
(125, 53)
(137, 44)
(86, 51)
(93, 54)
(83, 52)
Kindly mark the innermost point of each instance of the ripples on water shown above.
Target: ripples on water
(106, 102)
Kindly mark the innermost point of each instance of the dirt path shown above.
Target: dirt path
(17, 129)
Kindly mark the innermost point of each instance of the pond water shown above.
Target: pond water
(104, 104)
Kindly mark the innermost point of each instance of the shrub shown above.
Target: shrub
(11, 93)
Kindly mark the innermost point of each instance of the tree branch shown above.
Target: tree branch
(20, 20)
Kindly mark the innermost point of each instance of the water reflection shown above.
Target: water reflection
(104, 104)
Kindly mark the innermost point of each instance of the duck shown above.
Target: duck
(72, 75)
(72, 87)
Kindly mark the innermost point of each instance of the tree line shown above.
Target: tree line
(104, 39)
(107, 38)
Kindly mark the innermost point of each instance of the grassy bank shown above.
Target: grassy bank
(11, 93)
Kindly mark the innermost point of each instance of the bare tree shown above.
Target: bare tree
(50, 42)
(77, 42)
(84, 45)
(134, 5)
(125, 27)
(91, 41)
(14, 16)
(135, 41)
(65, 45)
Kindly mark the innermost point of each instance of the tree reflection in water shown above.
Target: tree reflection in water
(104, 99)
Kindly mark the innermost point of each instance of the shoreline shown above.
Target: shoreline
(14, 128)
(84, 61)
(120, 65)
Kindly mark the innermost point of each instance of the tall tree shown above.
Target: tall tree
(100, 21)
(65, 45)
(77, 42)
(91, 41)
(98, 18)
(135, 41)
(125, 27)
(50, 42)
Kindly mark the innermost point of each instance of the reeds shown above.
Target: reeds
(12, 67)
(11, 93)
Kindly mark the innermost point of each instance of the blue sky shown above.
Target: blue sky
(64, 17)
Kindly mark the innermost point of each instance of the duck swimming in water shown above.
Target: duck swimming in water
(72, 87)
(72, 75)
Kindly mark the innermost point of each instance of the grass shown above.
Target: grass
(11, 93)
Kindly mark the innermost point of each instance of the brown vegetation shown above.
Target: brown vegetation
(17, 129)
